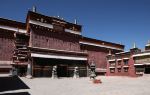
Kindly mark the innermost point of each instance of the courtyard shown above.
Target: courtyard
(84, 86)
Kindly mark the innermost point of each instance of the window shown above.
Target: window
(139, 70)
(119, 62)
(112, 63)
(119, 69)
(125, 62)
(112, 70)
(126, 69)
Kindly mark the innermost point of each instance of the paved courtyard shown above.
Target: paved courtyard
(84, 86)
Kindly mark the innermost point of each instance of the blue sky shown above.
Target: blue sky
(119, 21)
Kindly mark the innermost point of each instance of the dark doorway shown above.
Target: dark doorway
(22, 71)
(62, 71)
(4, 70)
(147, 70)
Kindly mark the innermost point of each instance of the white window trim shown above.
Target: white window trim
(125, 66)
(111, 67)
(119, 59)
(112, 60)
(125, 58)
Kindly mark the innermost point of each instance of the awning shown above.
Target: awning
(12, 28)
(142, 54)
(138, 64)
(5, 62)
(20, 63)
(4, 66)
(100, 70)
(146, 63)
(57, 56)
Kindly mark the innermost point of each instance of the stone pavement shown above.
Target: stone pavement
(84, 86)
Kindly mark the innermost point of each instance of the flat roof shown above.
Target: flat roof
(12, 23)
(101, 43)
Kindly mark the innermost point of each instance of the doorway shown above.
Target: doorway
(22, 71)
(147, 70)
(62, 71)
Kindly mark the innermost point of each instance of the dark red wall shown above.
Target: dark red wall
(130, 72)
(6, 45)
(97, 55)
(132, 67)
(54, 40)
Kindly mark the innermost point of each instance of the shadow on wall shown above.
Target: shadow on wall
(19, 93)
(12, 83)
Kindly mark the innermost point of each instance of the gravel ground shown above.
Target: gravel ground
(84, 86)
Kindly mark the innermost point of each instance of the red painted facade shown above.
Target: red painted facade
(53, 40)
(97, 54)
(49, 41)
(122, 64)
(6, 45)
